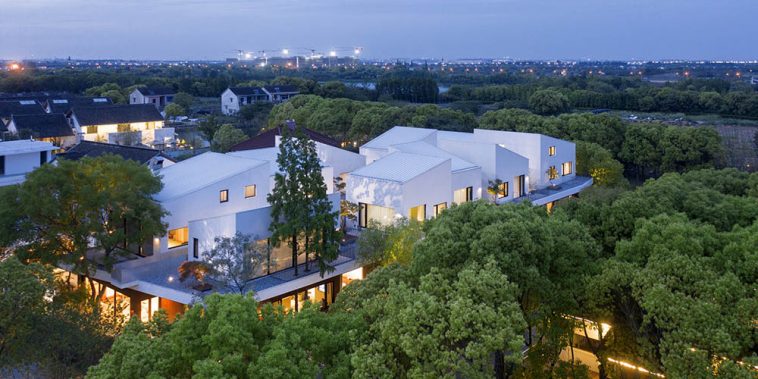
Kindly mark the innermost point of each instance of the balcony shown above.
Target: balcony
(563, 190)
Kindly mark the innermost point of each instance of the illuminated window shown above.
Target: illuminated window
(502, 190)
(463, 195)
(223, 196)
(552, 173)
(418, 213)
(520, 189)
(438, 208)
(368, 213)
(178, 237)
(250, 191)
(566, 168)
(92, 129)
(551, 151)
(121, 128)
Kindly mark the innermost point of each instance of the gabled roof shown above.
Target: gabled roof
(423, 148)
(20, 107)
(268, 139)
(24, 146)
(91, 149)
(281, 89)
(116, 114)
(399, 167)
(43, 125)
(64, 105)
(201, 171)
(156, 91)
(398, 135)
(247, 91)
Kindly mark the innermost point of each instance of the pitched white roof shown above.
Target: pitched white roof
(265, 154)
(423, 148)
(24, 146)
(397, 135)
(399, 167)
(201, 171)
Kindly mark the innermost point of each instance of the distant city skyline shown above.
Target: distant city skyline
(517, 29)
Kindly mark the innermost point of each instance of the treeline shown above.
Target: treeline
(356, 122)
(645, 150)
(689, 96)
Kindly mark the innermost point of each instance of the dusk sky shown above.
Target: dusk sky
(520, 29)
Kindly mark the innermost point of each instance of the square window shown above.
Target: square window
(223, 196)
(551, 151)
(250, 191)
(566, 168)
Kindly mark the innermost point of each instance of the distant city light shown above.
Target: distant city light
(332, 53)
(14, 66)
(285, 51)
(248, 55)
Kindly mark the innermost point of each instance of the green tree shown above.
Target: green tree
(442, 328)
(548, 102)
(184, 100)
(595, 161)
(103, 202)
(235, 260)
(173, 110)
(225, 137)
(289, 206)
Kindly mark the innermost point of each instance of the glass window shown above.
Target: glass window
(195, 248)
(92, 129)
(502, 190)
(551, 150)
(288, 304)
(250, 191)
(42, 157)
(418, 213)
(178, 237)
(463, 195)
(121, 128)
(566, 168)
(223, 196)
(369, 213)
(438, 208)
(520, 189)
(348, 277)
(2, 164)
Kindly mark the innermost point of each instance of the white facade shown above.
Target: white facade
(399, 176)
(231, 102)
(18, 158)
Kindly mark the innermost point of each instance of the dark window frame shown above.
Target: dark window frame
(223, 196)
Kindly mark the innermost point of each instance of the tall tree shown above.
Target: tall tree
(288, 200)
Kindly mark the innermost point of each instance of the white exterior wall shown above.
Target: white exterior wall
(384, 193)
(253, 222)
(565, 151)
(467, 178)
(509, 165)
(525, 144)
(18, 164)
(136, 97)
(64, 142)
(430, 188)
(204, 203)
(341, 160)
(229, 103)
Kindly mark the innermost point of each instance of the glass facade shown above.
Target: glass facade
(463, 195)
(417, 213)
(368, 213)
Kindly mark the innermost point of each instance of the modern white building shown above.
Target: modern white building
(217, 195)
(18, 158)
(416, 173)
